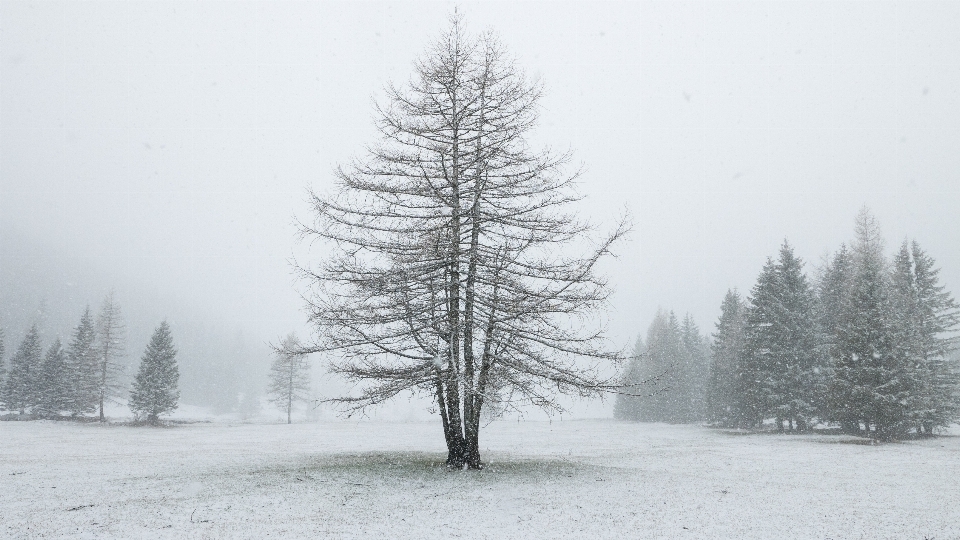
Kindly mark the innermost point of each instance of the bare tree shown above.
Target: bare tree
(449, 274)
(110, 349)
(289, 375)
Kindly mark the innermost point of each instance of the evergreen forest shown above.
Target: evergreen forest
(865, 346)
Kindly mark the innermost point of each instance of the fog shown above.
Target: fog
(165, 149)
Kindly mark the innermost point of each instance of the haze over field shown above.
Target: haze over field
(164, 149)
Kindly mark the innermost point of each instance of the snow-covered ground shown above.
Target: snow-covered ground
(570, 479)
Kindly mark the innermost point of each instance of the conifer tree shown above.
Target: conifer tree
(781, 372)
(873, 378)
(110, 349)
(155, 390)
(655, 365)
(936, 318)
(799, 383)
(833, 289)
(54, 382)
(903, 327)
(662, 356)
(695, 370)
(289, 376)
(753, 386)
(723, 405)
(83, 362)
(833, 294)
(626, 405)
(671, 371)
(20, 388)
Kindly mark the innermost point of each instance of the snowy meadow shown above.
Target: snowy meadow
(565, 479)
(730, 226)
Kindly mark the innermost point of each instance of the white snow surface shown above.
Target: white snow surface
(565, 479)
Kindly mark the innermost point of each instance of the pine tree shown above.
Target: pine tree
(652, 372)
(799, 381)
(936, 318)
(754, 384)
(873, 379)
(782, 359)
(626, 405)
(667, 376)
(833, 289)
(20, 389)
(696, 370)
(54, 382)
(904, 328)
(155, 389)
(833, 295)
(289, 376)
(661, 359)
(723, 405)
(110, 349)
(84, 365)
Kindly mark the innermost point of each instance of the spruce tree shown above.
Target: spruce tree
(110, 349)
(695, 372)
(833, 289)
(723, 405)
(936, 319)
(754, 386)
(54, 382)
(20, 389)
(83, 362)
(873, 379)
(782, 361)
(652, 373)
(666, 376)
(833, 294)
(799, 379)
(289, 376)
(661, 362)
(904, 329)
(626, 405)
(155, 390)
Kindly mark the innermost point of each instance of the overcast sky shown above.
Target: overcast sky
(170, 144)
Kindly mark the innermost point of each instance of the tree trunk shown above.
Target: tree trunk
(472, 450)
(456, 455)
(290, 390)
(103, 373)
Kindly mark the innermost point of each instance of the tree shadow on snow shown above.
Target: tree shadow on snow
(424, 465)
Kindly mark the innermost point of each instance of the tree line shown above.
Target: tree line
(77, 380)
(668, 373)
(867, 345)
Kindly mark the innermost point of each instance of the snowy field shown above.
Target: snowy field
(570, 479)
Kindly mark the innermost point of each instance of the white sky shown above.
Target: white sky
(171, 143)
